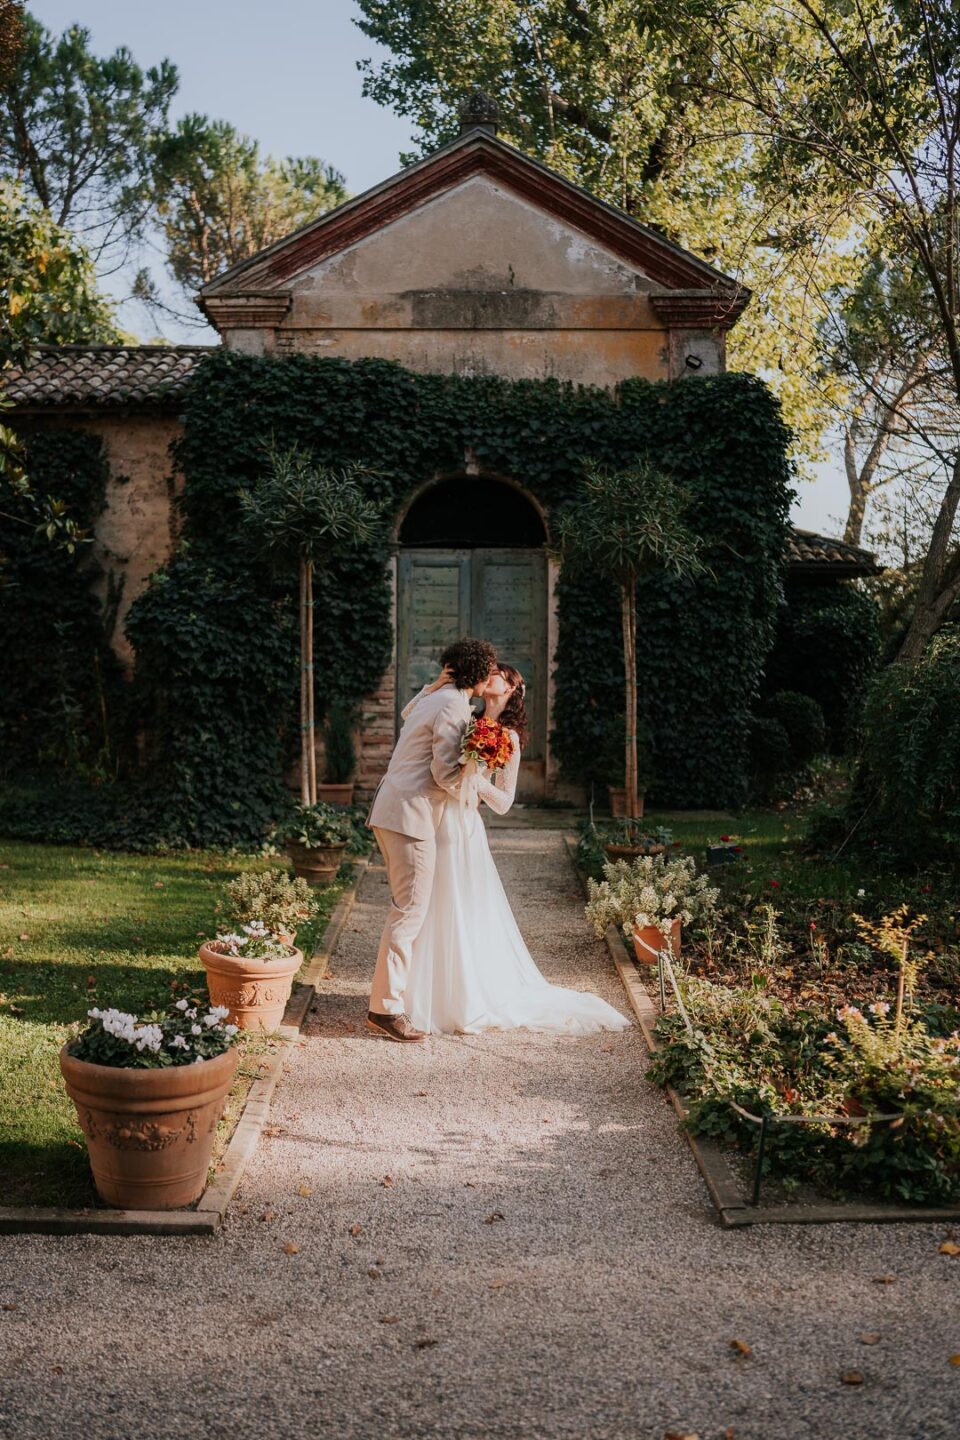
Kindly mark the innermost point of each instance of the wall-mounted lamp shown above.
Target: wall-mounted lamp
(693, 362)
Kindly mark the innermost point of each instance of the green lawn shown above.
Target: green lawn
(82, 927)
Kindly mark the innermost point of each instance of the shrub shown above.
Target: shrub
(340, 758)
(771, 762)
(803, 720)
(906, 794)
(280, 900)
(651, 890)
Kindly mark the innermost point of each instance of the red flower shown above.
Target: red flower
(676, 843)
(774, 884)
(813, 924)
(738, 849)
(725, 838)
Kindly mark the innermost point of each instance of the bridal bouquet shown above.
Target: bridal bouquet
(486, 742)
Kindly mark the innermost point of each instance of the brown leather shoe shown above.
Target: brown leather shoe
(394, 1027)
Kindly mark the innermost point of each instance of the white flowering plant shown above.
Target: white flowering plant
(255, 941)
(190, 1031)
(650, 890)
(282, 901)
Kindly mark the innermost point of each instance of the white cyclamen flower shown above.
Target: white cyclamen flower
(180, 1042)
(195, 1030)
(230, 1029)
(181, 1004)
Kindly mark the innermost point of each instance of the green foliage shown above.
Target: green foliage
(827, 646)
(802, 719)
(316, 826)
(340, 757)
(771, 763)
(49, 291)
(63, 704)
(906, 795)
(81, 132)
(216, 676)
(280, 900)
(220, 201)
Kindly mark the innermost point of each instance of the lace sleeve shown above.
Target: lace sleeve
(500, 796)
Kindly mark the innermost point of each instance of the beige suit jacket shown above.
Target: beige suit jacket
(424, 768)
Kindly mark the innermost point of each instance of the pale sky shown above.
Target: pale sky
(285, 73)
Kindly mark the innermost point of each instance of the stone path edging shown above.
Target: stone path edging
(725, 1191)
(206, 1217)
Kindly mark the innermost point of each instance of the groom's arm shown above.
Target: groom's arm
(448, 730)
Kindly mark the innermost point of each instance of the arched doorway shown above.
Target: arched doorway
(472, 562)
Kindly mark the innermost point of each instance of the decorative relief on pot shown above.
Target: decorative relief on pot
(124, 1134)
(257, 994)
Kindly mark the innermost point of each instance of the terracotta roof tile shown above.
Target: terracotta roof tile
(102, 375)
(809, 552)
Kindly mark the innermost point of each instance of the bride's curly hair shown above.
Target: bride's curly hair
(513, 716)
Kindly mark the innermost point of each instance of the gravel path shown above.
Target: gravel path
(497, 1236)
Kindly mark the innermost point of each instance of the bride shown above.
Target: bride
(470, 970)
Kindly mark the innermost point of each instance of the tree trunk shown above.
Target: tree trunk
(304, 762)
(934, 591)
(311, 728)
(629, 612)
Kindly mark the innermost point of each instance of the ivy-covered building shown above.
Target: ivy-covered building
(473, 328)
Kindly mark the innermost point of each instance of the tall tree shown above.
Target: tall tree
(11, 38)
(858, 105)
(80, 133)
(220, 201)
(613, 97)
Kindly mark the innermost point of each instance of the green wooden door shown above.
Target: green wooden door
(497, 595)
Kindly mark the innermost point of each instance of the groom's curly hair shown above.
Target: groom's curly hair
(470, 661)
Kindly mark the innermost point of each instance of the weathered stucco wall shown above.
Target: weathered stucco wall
(476, 281)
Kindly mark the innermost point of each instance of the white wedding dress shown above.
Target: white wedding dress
(470, 969)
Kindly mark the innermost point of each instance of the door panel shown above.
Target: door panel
(498, 595)
(433, 609)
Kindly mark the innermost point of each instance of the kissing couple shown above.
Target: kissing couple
(451, 958)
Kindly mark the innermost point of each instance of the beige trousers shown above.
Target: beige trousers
(410, 866)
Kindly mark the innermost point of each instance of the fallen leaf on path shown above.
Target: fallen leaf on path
(356, 1228)
(24, 936)
(884, 1279)
(729, 1433)
(871, 1339)
(955, 1359)
(681, 1435)
(472, 1184)
(291, 1249)
(421, 1094)
(269, 1215)
(387, 1181)
(424, 1343)
(305, 1191)
(381, 1260)
(851, 1377)
(741, 1347)
(389, 1319)
(498, 1284)
(949, 1248)
(493, 1217)
(374, 1273)
(56, 1369)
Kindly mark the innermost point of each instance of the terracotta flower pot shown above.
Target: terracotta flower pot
(318, 864)
(648, 940)
(336, 794)
(631, 852)
(254, 991)
(149, 1133)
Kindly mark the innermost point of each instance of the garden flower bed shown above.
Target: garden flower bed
(801, 1001)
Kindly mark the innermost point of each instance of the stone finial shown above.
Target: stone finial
(479, 111)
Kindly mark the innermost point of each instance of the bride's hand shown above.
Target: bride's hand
(444, 678)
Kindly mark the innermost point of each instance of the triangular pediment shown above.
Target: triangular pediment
(476, 188)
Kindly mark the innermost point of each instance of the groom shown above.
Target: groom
(424, 771)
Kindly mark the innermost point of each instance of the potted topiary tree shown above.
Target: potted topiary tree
(628, 524)
(148, 1097)
(340, 759)
(304, 514)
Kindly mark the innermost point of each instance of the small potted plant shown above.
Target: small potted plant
(149, 1094)
(316, 837)
(340, 758)
(650, 898)
(627, 840)
(275, 897)
(250, 975)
